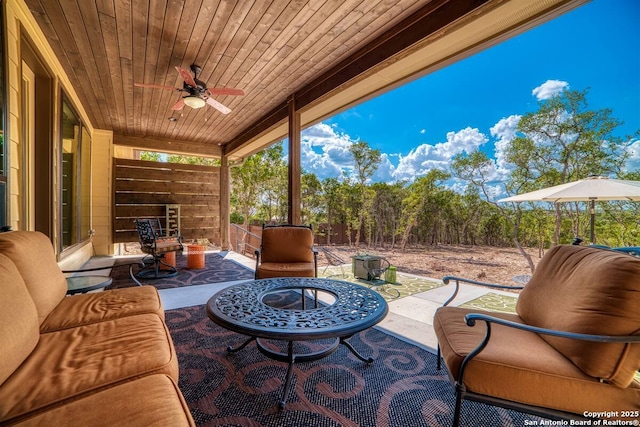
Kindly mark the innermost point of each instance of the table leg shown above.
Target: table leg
(315, 300)
(287, 384)
(230, 349)
(354, 351)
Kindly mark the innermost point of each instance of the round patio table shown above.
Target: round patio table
(83, 284)
(244, 308)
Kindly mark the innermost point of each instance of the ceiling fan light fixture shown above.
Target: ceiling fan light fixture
(194, 102)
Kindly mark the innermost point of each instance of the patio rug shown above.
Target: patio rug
(402, 387)
(217, 269)
(406, 284)
(494, 302)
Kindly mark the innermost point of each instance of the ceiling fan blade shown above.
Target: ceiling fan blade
(187, 77)
(225, 91)
(215, 104)
(178, 105)
(156, 86)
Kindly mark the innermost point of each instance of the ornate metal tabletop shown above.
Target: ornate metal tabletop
(242, 308)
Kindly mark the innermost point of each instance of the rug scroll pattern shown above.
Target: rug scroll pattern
(402, 387)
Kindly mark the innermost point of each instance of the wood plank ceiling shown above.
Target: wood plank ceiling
(269, 49)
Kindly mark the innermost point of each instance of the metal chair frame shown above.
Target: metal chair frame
(155, 245)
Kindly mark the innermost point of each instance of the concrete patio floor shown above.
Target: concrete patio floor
(410, 318)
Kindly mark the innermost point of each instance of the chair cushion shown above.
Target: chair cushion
(32, 253)
(520, 366)
(18, 317)
(154, 400)
(287, 244)
(72, 362)
(84, 309)
(171, 245)
(590, 291)
(268, 270)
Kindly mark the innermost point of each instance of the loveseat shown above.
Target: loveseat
(571, 350)
(102, 358)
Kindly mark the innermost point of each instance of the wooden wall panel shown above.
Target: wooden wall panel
(142, 189)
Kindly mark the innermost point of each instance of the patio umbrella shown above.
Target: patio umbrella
(584, 190)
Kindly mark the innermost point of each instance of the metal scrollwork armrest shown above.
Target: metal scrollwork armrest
(458, 280)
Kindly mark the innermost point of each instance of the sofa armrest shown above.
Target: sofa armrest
(459, 280)
(130, 264)
(471, 319)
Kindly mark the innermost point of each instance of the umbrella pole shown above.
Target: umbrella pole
(593, 221)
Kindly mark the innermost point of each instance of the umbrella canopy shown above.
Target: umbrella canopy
(584, 190)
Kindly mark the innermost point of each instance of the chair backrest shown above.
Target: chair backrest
(146, 233)
(332, 258)
(591, 291)
(287, 243)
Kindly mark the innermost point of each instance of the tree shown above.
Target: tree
(331, 191)
(476, 168)
(565, 141)
(366, 162)
(251, 180)
(413, 204)
(311, 199)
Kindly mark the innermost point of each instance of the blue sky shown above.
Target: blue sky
(477, 102)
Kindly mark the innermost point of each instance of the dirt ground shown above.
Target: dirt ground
(483, 263)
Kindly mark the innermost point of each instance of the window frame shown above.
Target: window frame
(4, 150)
(82, 156)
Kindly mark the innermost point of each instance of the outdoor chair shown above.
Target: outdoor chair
(286, 251)
(375, 269)
(333, 260)
(572, 346)
(154, 244)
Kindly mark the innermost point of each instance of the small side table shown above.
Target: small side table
(84, 284)
(195, 256)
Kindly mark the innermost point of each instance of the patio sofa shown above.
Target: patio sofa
(101, 358)
(570, 351)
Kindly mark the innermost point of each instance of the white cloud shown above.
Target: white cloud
(549, 89)
(504, 131)
(386, 171)
(324, 151)
(423, 131)
(425, 157)
(633, 163)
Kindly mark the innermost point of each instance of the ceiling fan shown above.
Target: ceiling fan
(198, 94)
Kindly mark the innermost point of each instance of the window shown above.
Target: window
(75, 178)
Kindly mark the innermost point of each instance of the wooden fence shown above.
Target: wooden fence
(245, 241)
(143, 189)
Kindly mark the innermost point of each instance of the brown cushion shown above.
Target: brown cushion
(154, 400)
(590, 291)
(287, 244)
(18, 319)
(71, 362)
(83, 309)
(32, 253)
(522, 367)
(267, 270)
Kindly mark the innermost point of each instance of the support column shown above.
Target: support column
(295, 171)
(225, 200)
